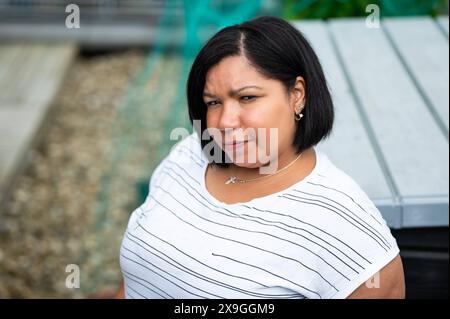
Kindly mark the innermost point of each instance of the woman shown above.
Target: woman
(247, 207)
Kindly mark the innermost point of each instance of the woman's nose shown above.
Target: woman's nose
(229, 116)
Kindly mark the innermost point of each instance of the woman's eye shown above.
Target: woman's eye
(248, 98)
(211, 103)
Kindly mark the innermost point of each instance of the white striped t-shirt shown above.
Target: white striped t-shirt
(320, 238)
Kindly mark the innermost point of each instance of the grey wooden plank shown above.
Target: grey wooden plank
(22, 119)
(49, 75)
(34, 79)
(7, 55)
(415, 149)
(20, 71)
(425, 52)
(443, 23)
(10, 62)
(28, 74)
(349, 146)
(414, 208)
(16, 128)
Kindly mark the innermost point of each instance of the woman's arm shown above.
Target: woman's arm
(110, 293)
(391, 283)
(121, 292)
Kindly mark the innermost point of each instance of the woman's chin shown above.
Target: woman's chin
(247, 165)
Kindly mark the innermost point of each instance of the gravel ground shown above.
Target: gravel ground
(72, 202)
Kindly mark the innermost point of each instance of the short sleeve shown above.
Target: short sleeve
(379, 262)
(353, 242)
(379, 249)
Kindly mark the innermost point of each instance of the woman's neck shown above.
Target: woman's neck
(285, 159)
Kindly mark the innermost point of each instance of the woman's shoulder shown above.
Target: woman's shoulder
(333, 204)
(187, 151)
(331, 188)
(186, 155)
(334, 180)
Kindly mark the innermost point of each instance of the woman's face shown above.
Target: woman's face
(252, 110)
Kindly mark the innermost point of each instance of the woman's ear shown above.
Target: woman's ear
(298, 94)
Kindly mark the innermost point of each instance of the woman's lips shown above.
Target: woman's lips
(235, 145)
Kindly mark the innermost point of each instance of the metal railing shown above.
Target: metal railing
(54, 10)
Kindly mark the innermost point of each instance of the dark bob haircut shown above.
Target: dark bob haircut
(278, 51)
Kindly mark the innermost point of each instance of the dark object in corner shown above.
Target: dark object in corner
(424, 253)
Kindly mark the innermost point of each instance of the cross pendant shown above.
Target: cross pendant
(231, 180)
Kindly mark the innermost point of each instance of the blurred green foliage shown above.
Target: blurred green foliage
(323, 9)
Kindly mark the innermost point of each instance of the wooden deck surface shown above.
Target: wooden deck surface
(390, 88)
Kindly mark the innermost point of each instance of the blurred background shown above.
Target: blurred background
(88, 102)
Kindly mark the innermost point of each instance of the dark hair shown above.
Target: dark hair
(279, 51)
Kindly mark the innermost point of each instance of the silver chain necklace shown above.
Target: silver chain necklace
(234, 179)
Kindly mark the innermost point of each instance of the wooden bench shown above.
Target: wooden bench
(390, 88)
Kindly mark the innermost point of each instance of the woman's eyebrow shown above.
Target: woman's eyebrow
(234, 92)
(206, 94)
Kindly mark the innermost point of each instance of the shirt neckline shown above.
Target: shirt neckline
(314, 171)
